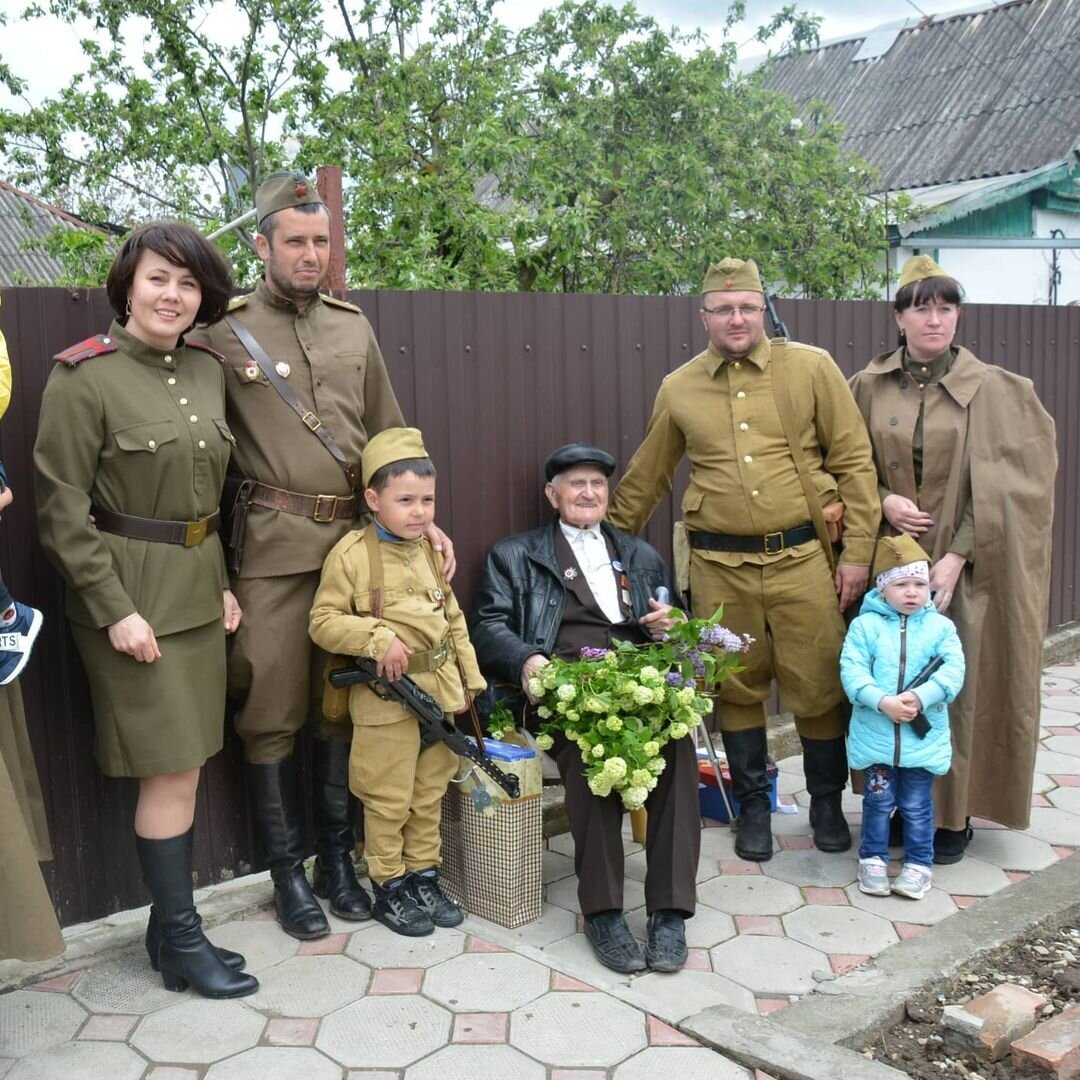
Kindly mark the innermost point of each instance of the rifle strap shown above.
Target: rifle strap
(288, 395)
(787, 421)
(375, 568)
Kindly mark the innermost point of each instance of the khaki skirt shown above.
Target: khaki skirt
(164, 717)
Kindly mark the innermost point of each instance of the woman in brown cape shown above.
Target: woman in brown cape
(966, 458)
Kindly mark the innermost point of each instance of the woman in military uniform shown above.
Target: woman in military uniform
(130, 460)
(965, 457)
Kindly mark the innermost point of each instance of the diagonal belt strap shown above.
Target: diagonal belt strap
(320, 508)
(187, 533)
(769, 544)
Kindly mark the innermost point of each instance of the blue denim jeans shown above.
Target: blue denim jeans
(911, 791)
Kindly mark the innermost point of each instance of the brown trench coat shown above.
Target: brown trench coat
(987, 438)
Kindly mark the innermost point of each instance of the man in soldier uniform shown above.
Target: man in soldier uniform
(306, 387)
(773, 436)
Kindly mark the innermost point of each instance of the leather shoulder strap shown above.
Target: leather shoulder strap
(375, 568)
(288, 395)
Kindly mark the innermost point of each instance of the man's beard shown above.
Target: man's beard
(287, 289)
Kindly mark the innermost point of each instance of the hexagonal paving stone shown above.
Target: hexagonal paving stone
(675, 997)
(753, 894)
(1066, 798)
(198, 1031)
(380, 947)
(310, 986)
(1055, 764)
(840, 929)
(557, 867)
(563, 844)
(769, 965)
(576, 955)
(477, 1063)
(686, 1062)
(1054, 826)
(31, 1021)
(936, 905)
(850, 803)
(554, 924)
(707, 928)
(1041, 783)
(1063, 744)
(1068, 703)
(572, 1030)
(718, 843)
(813, 868)
(1056, 682)
(486, 982)
(708, 868)
(384, 1032)
(1011, 850)
(263, 943)
(970, 877)
(276, 1063)
(81, 1060)
(126, 984)
(565, 894)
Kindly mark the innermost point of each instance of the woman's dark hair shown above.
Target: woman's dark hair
(421, 466)
(945, 290)
(182, 246)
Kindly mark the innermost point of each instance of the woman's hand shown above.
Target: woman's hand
(134, 636)
(445, 546)
(944, 575)
(233, 614)
(395, 662)
(902, 514)
(658, 622)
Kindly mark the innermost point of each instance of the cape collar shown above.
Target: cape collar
(961, 381)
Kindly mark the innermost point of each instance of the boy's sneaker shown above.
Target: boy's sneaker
(396, 908)
(873, 877)
(16, 641)
(423, 886)
(914, 881)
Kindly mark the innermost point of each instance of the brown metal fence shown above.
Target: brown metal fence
(495, 382)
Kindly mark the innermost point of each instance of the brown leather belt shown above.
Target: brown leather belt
(320, 508)
(769, 544)
(187, 533)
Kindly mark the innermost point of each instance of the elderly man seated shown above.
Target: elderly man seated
(579, 582)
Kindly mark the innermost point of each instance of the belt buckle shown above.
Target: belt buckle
(195, 532)
(311, 421)
(772, 538)
(318, 515)
(438, 655)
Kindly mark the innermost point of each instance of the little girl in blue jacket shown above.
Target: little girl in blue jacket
(899, 732)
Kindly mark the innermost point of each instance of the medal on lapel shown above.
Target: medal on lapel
(251, 370)
(570, 573)
(282, 369)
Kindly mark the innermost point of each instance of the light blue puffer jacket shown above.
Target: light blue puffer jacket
(870, 669)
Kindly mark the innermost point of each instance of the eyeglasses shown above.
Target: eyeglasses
(747, 311)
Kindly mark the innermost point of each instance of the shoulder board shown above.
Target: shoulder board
(93, 346)
(202, 347)
(351, 538)
(238, 302)
(333, 301)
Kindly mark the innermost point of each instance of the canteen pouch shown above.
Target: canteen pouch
(335, 699)
(235, 500)
(834, 521)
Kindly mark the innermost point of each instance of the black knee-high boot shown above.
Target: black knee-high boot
(185, 957)
(748, 759)
(825, 766)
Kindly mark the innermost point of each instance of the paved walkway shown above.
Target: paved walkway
(532, 1004)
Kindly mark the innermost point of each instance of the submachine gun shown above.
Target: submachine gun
(435, 725)
(779, 329)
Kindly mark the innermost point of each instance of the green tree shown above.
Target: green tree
(591, 151)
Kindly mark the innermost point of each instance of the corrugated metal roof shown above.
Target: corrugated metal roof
(975, 94)
(24, 218)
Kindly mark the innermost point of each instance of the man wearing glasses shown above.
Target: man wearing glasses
(774, 438)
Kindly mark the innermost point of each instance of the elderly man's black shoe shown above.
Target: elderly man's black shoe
(665, 947)
(950, 844)
(614, 945)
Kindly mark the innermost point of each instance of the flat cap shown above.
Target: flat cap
(282, 190)
(733, 275)
(918, 268)
(578, 453)
(390, 445)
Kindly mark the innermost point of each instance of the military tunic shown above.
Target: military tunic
(334, 365)
(722, 414)
(140, 431)
(400, 786)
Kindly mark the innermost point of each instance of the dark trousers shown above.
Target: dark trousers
(672, 839)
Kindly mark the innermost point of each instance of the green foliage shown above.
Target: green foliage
(85, 256)
(591, 151)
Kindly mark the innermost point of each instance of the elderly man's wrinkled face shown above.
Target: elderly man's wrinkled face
(580, 495)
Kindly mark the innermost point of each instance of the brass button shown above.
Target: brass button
(741, 394)
(737, 365)
(755, 493)
(748, 459)
(183, 401)
(172, 381)
(193, 418)
(744, 427)
(202, 444)
(168, 359)
(152, 444)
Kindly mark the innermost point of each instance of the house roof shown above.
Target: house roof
(983, 92)
(24, 218)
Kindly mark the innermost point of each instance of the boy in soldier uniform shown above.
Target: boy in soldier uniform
(383, 595)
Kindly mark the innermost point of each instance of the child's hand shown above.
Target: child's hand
(898, 710)
(396, 661)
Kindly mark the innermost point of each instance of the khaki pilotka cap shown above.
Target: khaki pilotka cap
(733, 275)
(918, 268)
(390, 445)
(282, 191)
(894, 553)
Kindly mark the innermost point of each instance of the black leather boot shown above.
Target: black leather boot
(230, 959)
(748, 758)
(825, 767)
(334, 877)
(184, 955)
(280, 826)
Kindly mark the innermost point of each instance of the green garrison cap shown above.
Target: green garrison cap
(919, 267)
(896, 557)
(282, 190)
(733, 275)
(390, 445)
